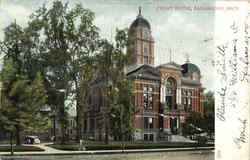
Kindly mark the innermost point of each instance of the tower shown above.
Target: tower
(143, 43)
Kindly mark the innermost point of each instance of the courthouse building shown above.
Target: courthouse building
(164, 95)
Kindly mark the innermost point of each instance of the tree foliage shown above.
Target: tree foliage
(23, 93)
(205, 122)
(209, 112)
(193, 124)
(61, 49)
(122, 119)
(68, 47)
(22, 101)
(117, 89)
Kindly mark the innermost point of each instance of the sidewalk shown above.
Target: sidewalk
(52, 151)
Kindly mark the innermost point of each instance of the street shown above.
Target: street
(180, 155)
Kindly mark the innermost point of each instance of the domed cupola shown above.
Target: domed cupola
(140, 33)
(189, 69)
(140, 22)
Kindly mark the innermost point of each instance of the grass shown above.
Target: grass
(20, 149)
(73, 146)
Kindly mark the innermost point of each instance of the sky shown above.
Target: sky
(174, 24)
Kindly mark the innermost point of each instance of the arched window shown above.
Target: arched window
(170, 91)
(145, 34)
(195, 76)
(145, 48)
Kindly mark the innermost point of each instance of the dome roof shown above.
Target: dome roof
(140, 22)
(189, 68)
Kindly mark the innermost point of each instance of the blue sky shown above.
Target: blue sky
(183, 31)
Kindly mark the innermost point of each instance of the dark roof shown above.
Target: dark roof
(144, 72)
(140, 22)
(187, 81)
(189, 68)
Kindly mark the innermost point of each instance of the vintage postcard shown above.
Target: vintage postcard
(232, 81)
(166, 79)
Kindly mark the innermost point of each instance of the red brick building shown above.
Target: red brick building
(165, 95)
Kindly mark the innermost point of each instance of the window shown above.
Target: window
(185, 92)
(148, 137)
(195, 76)
(148, 96)
(148, 123)
(170, 90)
(145, 34)
(145, 60)
(190, 93)
(145, 123)
(145, 100)
(185, 101)
(145, 49)
(189, 101)
(151, 138)
(151, 101)
(150, 89)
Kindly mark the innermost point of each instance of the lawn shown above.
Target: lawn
(20, 149)
(73, 146)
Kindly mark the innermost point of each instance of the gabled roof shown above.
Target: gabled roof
(144, 72)
(171, 65)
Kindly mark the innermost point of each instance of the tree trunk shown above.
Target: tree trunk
(106, 132)
(63, 135)
(78, 125)
(18, 139)
(11, 143)
(78, 117)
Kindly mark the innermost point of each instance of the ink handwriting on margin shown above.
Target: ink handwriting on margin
(221, 110)
(233, 65)
(242, 137)
(244, 75)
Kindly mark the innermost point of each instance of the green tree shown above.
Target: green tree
(205, 122)
(209, 112)
(194, 124)
(112, 61)
(122, 121)
(20, 69)
(22, 101)
(68, 49)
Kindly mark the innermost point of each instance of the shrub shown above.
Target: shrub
(132, 145)
(202, 140)
(20, 148)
